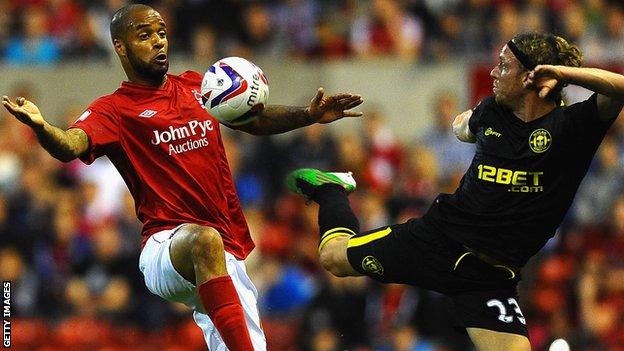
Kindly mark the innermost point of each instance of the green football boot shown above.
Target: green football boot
(304, 181)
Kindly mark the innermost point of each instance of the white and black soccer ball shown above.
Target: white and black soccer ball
(231, 87)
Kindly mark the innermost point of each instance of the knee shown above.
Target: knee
(330, 261)
(205, 242)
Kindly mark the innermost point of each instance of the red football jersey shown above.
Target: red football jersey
(169, 151)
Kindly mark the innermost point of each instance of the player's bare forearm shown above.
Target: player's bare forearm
(601, 81)
(276, 119)
(322, 109)
(608, 85)
(62, 145)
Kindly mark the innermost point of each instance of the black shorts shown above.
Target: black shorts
(484, 296)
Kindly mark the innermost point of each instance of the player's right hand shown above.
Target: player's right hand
(24, 110)
(544, 79)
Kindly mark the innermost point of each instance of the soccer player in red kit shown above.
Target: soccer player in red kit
(168, 150)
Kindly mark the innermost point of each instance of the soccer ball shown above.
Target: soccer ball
(231, 87)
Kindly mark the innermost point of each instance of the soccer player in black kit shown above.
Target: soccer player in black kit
(531, 155)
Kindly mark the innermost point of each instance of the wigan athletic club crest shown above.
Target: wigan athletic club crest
(540, 140)
(372, 265)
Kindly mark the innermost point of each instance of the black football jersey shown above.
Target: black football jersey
(522, 179)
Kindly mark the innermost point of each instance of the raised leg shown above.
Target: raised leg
(197, 253)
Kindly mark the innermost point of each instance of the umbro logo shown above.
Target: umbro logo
(148, 113)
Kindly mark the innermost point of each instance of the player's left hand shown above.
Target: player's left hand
(544, 79)
(333, 107)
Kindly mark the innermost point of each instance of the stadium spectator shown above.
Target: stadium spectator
(447, 42)
(84, 44)
(406, 338)
(296, 23)
(258, 36)
(574, 23)
(24, 282)
(330, 44)
(339, 306)
(506, 26)
(67, 17)
(312, 146)
(387, 29)
(204, 45)
(601, 187)
(332, 30)
(35, 46)
(416, 184)
(476, 24)
(612, 48)
(452, 155)
(384, 152)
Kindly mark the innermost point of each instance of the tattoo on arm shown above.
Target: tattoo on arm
(277, 119)
(62, 145)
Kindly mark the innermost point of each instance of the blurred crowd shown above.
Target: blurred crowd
(46, 32)
(70, 246)
(70, 240)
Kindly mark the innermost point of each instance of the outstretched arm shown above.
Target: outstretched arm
(608, 85)
(62, 145)
(276, 119)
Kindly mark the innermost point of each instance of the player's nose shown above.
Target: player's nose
(493, 72)
(159, 42)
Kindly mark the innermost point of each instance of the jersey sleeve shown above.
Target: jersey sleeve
(476, 120)
(101, 124)
(583, 121)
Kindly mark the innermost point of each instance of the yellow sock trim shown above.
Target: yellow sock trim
(327, 238)
(333, 233)
(362, 240)
(338, 229)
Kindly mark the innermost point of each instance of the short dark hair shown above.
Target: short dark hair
(121, 20)
(549, 49)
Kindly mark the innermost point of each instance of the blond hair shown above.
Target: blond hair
(549, 49)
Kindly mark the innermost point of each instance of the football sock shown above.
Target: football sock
(336, 218)
(224, 308)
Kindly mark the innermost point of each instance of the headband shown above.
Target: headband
(521, 56)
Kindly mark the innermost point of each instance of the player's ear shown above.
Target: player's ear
(120, 47)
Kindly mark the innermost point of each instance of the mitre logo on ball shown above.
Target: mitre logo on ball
(231, 88)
